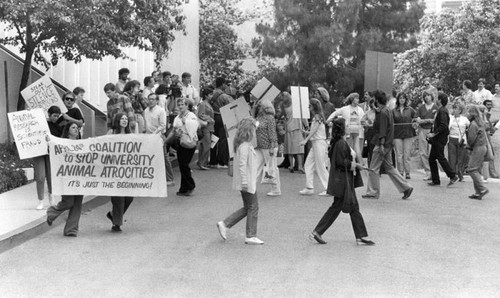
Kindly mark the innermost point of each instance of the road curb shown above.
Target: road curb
(40, 226)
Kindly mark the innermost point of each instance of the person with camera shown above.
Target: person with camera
(438, 138)
(457, 139)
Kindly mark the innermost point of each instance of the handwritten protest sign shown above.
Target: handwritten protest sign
(113, 165)
(29, 129)
(265, 90)
(231, 114)
(42, 94)
(300, 102)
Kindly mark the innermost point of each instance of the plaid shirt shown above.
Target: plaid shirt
(120, 104)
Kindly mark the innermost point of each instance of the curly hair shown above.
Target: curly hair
(245, 132)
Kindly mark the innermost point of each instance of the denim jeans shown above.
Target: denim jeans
(74, 205)
(250, 210)
(456, 156)
(403, 152)
(424, 149)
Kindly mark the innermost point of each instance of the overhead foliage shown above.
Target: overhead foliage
(221, 52)
(454, 46)
(72, 29)
(326, 41)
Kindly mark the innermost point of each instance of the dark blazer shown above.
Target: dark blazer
(441, 126)
(340, 163)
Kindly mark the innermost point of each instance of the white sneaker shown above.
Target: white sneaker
(323, 194)
(222, 229)
(39, 206)
(273, 194)
(306, 192)
(253, 240)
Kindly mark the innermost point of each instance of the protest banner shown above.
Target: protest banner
(129, 165)
(379, 71)
(42, 94)
(29, 129)
(300, 102)
(231, 114)
(265, 90)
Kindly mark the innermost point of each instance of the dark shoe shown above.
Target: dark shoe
(49, 221)
(183, 194)
(453, 180)
(407, 193)
(70, 235)
(433, 184)
(369, 197)
(408, 176)
(290, 169)
(109, 216)
(116, 228)
(315, 236)
(475, 196)
(362, 241)
(461, 179)
(483, 193)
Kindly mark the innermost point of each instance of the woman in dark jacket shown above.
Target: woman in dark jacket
(404, 133)
(344, 171)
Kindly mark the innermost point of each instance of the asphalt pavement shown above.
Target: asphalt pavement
(438, 243)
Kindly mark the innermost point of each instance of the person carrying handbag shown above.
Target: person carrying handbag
(185, 126)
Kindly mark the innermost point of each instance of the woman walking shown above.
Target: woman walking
(120, 204)
(403, 133)
(72, 203)
(186, 123)
(317, 157)
(344, 177)
(267, 146)
(244, 180)
(458, 139)
(476, 138)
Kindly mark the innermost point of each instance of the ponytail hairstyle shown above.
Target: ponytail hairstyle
(245, 132)
(317, 109)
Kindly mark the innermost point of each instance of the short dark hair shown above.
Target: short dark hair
(487, 101)
(54, 110)
(467, 84)
(380, 97)
(481, 80)
(443, 98)
(161, 89)
(185, 75)
(78, 90)
(206, 91)
(146, 80)
(219, 82)
(122, 71)
(166, 74)
(130, 85)
(109, 87)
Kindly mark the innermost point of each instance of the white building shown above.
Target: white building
(438, 5)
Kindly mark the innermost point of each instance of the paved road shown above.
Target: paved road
(439, 243)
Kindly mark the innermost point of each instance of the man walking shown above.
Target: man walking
(439, 139)
(383, 137)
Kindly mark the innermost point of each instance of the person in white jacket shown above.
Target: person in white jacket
(352, 113)
(244, 180)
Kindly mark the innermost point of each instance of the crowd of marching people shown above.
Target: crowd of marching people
(376, 132)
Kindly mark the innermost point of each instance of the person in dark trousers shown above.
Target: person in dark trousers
(439, 138)
(343, 169)
(73, 203)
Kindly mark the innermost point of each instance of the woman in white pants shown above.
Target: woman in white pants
(317, 157)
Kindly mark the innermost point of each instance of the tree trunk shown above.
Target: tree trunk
(21, 104)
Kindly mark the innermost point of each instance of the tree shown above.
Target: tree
(325, 41)
(453, 46)
(220, 49)
(72, 29)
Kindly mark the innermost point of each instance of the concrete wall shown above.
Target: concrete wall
(92, 75)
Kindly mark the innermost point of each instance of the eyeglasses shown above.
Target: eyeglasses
(69, 98)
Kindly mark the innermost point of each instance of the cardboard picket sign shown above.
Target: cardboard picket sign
(231, 114)
(29, 128)
(300, 102)
(129, 165)
(265, 90)
(42, 94)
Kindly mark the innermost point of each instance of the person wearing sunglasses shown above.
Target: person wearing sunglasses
(73, 115)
